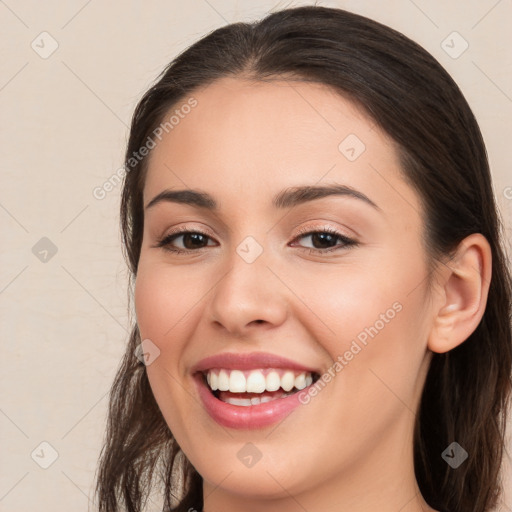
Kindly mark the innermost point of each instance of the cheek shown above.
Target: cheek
(338, 304)
(162, 298)
(383, 330)
(161, 303)
(374, 317)
(160, 318)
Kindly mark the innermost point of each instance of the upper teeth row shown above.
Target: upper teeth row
(255, 381)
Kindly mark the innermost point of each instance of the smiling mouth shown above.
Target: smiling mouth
(254, 387)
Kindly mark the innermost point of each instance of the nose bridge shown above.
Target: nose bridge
(248, 292)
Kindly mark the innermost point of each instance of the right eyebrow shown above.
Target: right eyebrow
(192, 197)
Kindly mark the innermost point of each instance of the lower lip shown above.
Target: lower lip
(246, 417)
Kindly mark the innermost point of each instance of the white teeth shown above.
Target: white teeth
(255, 381)
(223, 381)
(300, 381)
(273, 381)
(239, 401)
(245, 402)
(288, 381)
(237, 382)
(213, 380)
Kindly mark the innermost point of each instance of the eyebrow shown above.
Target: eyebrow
(287, 198)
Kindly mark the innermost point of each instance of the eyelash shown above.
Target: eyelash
(165, 242)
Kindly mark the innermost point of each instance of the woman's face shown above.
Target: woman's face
(277, 277)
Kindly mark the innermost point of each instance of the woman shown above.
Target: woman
(322, 300)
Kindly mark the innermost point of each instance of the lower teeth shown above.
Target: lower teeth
(247, 402)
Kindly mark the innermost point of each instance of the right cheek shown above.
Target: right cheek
(158, 306)
(148, 304)
(140, 303)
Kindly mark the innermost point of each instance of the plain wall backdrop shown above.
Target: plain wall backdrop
(71, 74)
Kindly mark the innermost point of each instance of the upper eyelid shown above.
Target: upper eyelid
(302, 231)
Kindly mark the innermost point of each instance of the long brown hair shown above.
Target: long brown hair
(408, 93)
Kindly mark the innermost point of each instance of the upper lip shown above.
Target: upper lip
(249, 361)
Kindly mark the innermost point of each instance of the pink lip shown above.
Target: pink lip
(253, 416)
(250, 417)
(248, 361)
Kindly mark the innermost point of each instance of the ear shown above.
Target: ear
(463, 287)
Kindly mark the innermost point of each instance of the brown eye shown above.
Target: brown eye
(325, 240)
(191, 241)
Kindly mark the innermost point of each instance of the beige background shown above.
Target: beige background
(63, 128)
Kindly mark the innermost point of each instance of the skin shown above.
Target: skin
(350, 447)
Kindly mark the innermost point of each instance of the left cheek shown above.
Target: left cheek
(392, 356)
(370, 321)
(347, 304)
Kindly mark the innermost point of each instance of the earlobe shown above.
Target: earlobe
(464, 286)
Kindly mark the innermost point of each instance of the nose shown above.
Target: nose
(248, 296)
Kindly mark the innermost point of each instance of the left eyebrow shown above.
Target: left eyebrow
(298, 195)
(285, 199)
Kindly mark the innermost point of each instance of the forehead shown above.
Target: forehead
(247, 139)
